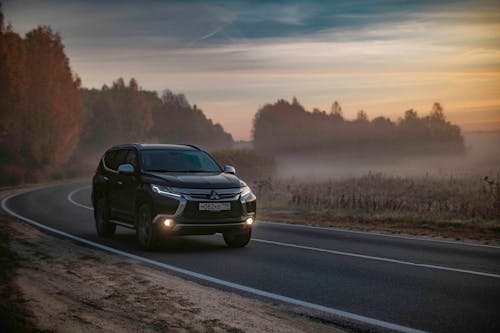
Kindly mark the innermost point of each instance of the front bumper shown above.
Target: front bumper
(205, 228)
(201, 227)
(186, 219)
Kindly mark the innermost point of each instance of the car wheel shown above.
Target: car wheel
(103, 226)
(237, 239)
(146, 235)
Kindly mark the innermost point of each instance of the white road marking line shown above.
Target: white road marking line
(395, 261)
(292, 226)
(350, 254)
(372, 233)
(266, 294)
(70, 198)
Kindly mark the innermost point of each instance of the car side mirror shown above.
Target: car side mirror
(126, 169)
(229, 169)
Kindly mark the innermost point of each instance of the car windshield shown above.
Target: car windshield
(178, 161)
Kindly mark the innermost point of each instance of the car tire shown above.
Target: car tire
(145, 231)
(101, 214)
(237, 239)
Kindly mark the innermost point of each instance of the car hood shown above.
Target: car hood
(194, 180)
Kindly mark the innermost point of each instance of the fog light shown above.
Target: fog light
(168, 222)
(249, 221)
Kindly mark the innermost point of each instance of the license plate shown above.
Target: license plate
(215, 206)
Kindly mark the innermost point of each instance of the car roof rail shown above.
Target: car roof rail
(192, 146)
(125, 145)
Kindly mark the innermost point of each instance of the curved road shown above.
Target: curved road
(376, 281)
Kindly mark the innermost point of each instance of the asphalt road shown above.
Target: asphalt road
(412, 283)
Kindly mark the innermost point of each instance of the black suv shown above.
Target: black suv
(162, 190)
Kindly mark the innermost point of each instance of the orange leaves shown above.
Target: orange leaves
(40, 104)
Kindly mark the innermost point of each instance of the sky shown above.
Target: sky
(232, 57)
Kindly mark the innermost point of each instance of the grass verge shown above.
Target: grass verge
(475, 230)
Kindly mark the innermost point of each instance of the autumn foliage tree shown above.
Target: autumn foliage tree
(13, 103)
(40, 104)
(55, 105)
(47, 120)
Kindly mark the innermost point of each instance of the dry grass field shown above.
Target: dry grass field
(465, 198)
(455, 196)
(449, 207)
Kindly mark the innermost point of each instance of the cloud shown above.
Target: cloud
(231, 57)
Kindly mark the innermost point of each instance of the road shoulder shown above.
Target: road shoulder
(60, 286)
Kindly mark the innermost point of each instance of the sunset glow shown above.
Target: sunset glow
(231, 58)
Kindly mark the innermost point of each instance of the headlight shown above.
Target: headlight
(246, 194)
(165, 190)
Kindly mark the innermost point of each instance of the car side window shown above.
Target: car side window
(120, 158)
(109, 158)
(132, 158)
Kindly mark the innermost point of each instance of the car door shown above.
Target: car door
(107, 171)
(116, 184)
(127, 187)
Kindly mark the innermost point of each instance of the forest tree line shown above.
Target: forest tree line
(51, 127)
(40, 104)
(285, 127)
(49, 124)
(125, 113)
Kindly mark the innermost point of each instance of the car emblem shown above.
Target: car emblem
(214, 196)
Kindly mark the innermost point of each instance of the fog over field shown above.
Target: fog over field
(481, 158)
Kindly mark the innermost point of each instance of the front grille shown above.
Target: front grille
(191, 211)
(207, 196)
(227, 194)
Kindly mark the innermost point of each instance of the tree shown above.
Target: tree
(127, 108)
(175, 120)
(140, 115)
(54, 100)
(133, 84)
(336, 111)
(2, 27)
(285, 127)
(361, 117)
(168, 97)
(40, 103)
(440, 129)
(437, 112)
(13, 105)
